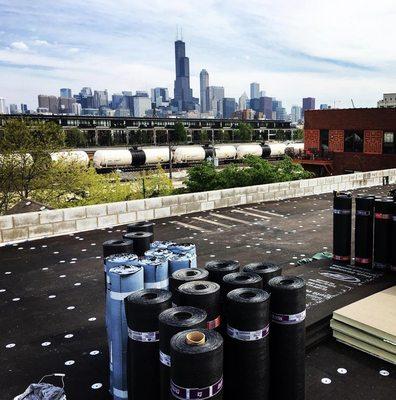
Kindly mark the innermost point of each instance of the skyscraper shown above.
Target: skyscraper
(242, 102)
(48, 102)
(24, 108)
(183, 95)
(13, 109)
(295, 114)
(3, 108)
(100, 99)
(141, 104)
(159, 95)
(203, 85)
(308, 103)
(229, 106)
(254, 90)
(215, 99)
(266, 106)
(65, 92)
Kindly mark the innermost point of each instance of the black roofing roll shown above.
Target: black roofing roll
(197, 365)
(364, 230)
(246, 362)
(238, 280)
(219, 268)
(204, 295)
(266, 270)
(383, 232)
(172, 321)
(142, 310)
(185, 275)
(393, 244)
(141, 241)
(287, 338)
(142, 226)
(117, 247)
(342, 227)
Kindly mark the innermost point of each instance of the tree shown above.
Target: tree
(75, 138)
(179, 134)
(298, 134)
(25, 149)
(244, 132)
(203, 136)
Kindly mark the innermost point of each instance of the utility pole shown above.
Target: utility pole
(170, 154)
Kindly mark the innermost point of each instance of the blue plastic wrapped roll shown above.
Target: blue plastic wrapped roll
(119, 259)
(155, 272)
(183, 248)
(161, 245)
(159, 253)
(181, 261)
(124, 280)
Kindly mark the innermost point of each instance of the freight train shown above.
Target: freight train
(135, 158)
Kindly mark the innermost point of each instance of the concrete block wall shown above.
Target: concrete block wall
(30, 226)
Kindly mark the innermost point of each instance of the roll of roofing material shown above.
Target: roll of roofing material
(185, 275)
(383, 232)
(246, 363)
(342, 228)
(161, 253)
(142, 226)
(238, 280)
(141, 241)
(393, 244)
(267, 271)
(117, 246)
(142, 311)
(123, 281)
(161, 244)
(155, 272)
(172, 321)
(181, 261)
(204, 295)
(219, 268)
(185, 248)
(287, 338)
(192, 348)
(364, 229)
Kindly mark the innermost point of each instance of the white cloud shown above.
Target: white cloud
(22, 46)
(38, 42)
(73, 50)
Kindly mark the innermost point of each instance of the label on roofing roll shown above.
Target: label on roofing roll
(363, 213)
(196, 394)
(382, 216)
(341, 258)
(343, 212)
(143, 336)
(157, 285)
(288, 319)
(363, 260)
(214, 323)
(165, 359)
(247, 336)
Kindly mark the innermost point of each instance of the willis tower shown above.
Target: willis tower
(183, 96)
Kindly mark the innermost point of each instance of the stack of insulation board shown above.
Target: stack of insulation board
(369, 325)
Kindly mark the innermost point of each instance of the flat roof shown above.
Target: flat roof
(52, 294)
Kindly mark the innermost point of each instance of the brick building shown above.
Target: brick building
(360, 139)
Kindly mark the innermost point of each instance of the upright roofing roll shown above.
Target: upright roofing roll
(219, 268)
(172, 321)
(204, 295)
(158, 252)
(192, 348)
(246, 363)
(342, 229)
(161, 244)
(288, 301)
(114, 260)
(141, 241)
(142, 311)
(393, 244)
(185, 275)
(155, 272)
(238, 280)
(179, 261)
(185, 248)
(123, 281)
(364, 228)
(117, 246)
(383, 232)
(142, 226)
(266, 270)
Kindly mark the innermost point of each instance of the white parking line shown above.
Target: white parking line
(184, 225)
(265, 212)
(211, 222)
(230, 218)
(252, 214)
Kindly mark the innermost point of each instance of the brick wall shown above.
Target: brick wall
(336, 140)
(35, 225)
(373, 140)
(311, 139)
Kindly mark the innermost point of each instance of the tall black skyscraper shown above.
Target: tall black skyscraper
(183, 95)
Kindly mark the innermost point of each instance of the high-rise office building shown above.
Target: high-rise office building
(76, 108)
(14, 109)
(183, 96)
(308, 103)
(159, 96)
(215, 96)
(254, 90)
(65, 105)
(65, 92)
(100, 99)
(295, 114)
(86, 91)
(203, 85)
(242, 102)
(141, 104)
(116, 100)
(229, 107)
(3, 107)
(324, 106)
(266, 107)
(24, 108)
(262, 93)
(48, 102)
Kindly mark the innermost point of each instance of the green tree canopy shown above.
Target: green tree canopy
(179, 134)
(244, 132)
(75, 138)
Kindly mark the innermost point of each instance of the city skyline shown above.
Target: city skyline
(268, 43)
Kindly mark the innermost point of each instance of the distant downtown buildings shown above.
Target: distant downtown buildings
(212, 101)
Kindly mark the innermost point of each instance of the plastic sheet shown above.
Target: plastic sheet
(342, 227)
(246, 363)
(188, 381)
(219, 268)
(185, 275)
(364, 230)
(161, 244)
(266, 270)
(204, 295)
(123, 281)
(287, 338)
(143, 309)
(383, 233)
(172, 321)
(141, 241)
(155, 273)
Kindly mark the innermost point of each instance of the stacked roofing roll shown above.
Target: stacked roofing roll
(123, 280)
(142, 226)
(141, 241)
(219, 268)
(342, 229)
(155, 272)
(185, 275)
(265, 270)
(184, 249)
(383, 232)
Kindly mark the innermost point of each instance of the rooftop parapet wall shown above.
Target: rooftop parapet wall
(36, 225)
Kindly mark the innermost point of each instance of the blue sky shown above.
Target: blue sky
(333, 51)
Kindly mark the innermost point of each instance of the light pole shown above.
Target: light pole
(170, 154)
